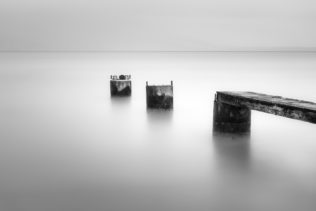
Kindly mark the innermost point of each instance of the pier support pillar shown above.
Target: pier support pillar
(160, 96)
(121, 86)
(231, 119)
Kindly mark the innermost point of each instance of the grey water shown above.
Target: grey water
(66, 144)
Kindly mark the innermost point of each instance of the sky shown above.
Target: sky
(164, 25)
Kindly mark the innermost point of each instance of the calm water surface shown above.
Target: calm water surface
(65, 144)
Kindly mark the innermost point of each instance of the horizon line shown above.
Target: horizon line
(158, 51)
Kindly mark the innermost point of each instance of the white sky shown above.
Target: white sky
(166, 25)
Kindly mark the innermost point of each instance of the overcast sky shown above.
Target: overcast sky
(165, 25)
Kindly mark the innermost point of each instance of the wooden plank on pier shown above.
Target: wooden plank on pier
(291, 108)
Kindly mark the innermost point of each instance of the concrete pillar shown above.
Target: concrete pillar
(160, 96)
(121, 86)
(231, 119)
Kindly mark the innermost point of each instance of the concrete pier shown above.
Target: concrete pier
(231, 119)
(232, 110)
(159, 96)
(121, 85)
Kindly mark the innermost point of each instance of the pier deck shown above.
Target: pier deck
(291, 108)
(232, 110)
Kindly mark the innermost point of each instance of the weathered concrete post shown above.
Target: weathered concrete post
(232, 109)
(159, 96)
(121, 86)
(231, 119)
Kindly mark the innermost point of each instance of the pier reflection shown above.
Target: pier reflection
(159, 116)
(232, 152)
(119, 102)
(159, 123)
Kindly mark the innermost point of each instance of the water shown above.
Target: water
(65, 144)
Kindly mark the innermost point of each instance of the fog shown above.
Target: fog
(173, 25)
(65, 144)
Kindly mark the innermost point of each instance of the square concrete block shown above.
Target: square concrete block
(121, 86)
(159, 96)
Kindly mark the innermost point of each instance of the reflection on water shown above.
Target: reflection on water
(159, 124)
(120, 102)
(159, 116)
(65, 144)
(233, 152)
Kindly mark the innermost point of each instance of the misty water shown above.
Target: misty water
(65, 144)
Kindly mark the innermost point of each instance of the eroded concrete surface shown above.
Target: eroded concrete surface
(121, 87)
(291, 108)
(159, 96)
